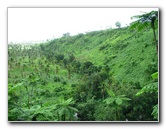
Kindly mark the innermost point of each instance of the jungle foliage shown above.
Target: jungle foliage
(107, 75)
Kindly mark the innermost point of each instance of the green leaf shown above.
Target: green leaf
(139, 92)
(155, 75)
(109, 100)
(127, 99)
(111, 93)
(14, 88)
(69, 101)
(121, 96)
(155, 112)
(72, 108)
(152, 87)
(118, 101)
(36, 107)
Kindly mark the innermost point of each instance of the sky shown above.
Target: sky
(39, 24)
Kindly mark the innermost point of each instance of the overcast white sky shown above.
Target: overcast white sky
(38, 24)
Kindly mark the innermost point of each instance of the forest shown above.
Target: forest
(107, 75)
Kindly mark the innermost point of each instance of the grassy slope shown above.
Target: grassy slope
(127, 52)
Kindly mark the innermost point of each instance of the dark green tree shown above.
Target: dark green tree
(115, 101)
(64, 109)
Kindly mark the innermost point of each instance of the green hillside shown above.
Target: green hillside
(129, 54)
(107, 75)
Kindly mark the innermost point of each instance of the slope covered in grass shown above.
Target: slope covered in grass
(86, 77)
(128, 53)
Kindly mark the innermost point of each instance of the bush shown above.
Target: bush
(59, 57)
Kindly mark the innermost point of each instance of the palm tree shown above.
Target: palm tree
(115, 101)
(64, 109)
(144, 20)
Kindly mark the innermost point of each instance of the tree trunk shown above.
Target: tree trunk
(154, 34)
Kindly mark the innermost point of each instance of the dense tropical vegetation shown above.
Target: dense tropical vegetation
(107, 75)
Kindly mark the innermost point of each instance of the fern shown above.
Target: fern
(150, 88)
(155, 112)
(15, 88)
